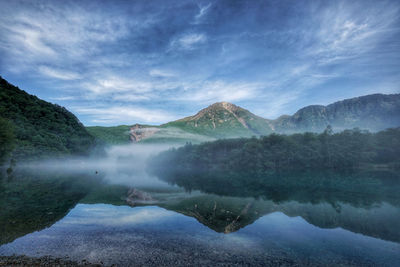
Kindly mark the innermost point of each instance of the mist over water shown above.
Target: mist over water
(121, 164)
(222, 216)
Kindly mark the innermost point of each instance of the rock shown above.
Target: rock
(139, 132)
(138, 197)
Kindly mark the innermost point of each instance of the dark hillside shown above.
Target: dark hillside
(41, 128)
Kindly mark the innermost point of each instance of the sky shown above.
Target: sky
(126, 62)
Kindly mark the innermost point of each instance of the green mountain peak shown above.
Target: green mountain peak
(223, 119)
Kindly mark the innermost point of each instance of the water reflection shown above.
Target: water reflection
(156, 236)
(365, 203)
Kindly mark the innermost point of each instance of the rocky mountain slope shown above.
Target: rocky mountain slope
(225, 120)
(220, 120)
(372, 112)
(139, 132)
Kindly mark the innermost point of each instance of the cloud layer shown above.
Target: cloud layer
(126, 62)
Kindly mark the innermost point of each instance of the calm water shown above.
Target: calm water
(350, 219)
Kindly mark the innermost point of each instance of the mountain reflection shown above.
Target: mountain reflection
(360, 202)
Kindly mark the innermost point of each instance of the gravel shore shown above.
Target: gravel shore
(42, 261)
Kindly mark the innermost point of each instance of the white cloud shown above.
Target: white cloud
(122, 88)
(203, 10)
(189, 41)
(63, 98)
(299, 70)
(123, 114)
(346, 33)
(51, 34)
(214, 91)
(59, 73)
(161, 73)
(29, 40)
(278, 104)
(130, 97)
(111, 63)
(113, 217)
(115, 84)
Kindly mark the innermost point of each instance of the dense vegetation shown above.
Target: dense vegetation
(346, 150)
(31, 200)
(307, 194)
(40, 128)
(116, 135)
(6, 139)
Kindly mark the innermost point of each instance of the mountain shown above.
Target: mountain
(225, 120)
(39, 127)
(221, 120)
(123, 134)
(230, 214)
(372, 112)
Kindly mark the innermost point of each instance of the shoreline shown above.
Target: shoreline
(22, 260)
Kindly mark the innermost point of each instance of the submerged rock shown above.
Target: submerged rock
(136, 197)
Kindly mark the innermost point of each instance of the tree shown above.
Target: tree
(7, 139)
(328, 130)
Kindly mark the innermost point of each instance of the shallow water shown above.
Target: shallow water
(81, 218)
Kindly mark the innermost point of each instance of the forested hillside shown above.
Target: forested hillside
(7, 138)
(115, 135)
(39, 128)
(346, 150)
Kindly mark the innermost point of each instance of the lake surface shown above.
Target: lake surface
(347, 219)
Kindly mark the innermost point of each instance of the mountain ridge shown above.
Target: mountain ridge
(226, 120)
(373, 112)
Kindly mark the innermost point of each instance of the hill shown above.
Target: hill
(225, 120)
(372, 112)
(222, 120)
(40, 128)
(115, 135)
(350, 149)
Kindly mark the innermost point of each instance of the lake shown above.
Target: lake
(307, 218)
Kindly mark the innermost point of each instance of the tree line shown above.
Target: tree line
(349, 149)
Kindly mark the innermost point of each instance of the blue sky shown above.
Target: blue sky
(126, 62)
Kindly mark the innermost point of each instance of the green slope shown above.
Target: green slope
(223, 120)
(115, 135)
(41, 128)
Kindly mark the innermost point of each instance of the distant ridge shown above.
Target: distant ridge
(371, 112)
(225, 120)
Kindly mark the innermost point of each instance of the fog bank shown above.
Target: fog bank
(122, 164)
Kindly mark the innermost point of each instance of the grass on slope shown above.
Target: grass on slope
(115, 135)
